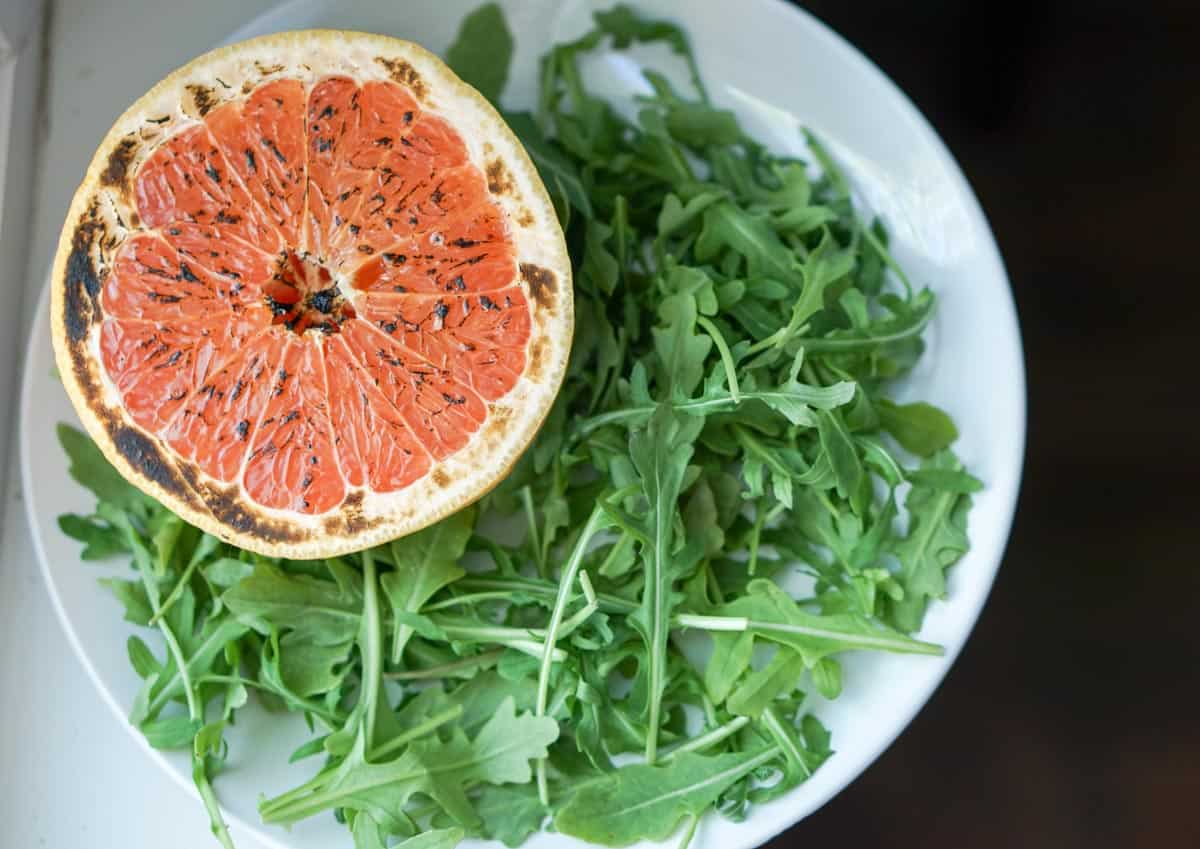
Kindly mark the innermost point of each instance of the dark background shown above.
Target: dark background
(1072, 718)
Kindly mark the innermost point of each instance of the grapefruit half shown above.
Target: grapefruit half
(312, 294)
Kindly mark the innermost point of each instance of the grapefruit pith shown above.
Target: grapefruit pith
(311, 293)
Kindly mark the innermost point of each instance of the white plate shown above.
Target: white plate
(778, 68)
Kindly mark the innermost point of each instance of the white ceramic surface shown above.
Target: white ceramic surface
(779, 69)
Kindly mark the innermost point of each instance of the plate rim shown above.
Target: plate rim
(767, 828)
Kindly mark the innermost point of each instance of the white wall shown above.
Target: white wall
(20, 71)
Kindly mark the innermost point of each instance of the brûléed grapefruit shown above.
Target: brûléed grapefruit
(312, 294)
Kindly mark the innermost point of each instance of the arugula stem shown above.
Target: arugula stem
(784, 740)
(176, 591)
(211, 804)
(283, 799)
(446, 670)
(708, 739)
(886, 256)
(714, 586)
(760, 519)
(533, 586)
(584, 613)
(372, 647)
(629, 727)
(184, 676)
(483, 633)
(565, 583)
(712, 623)
(655, 598)
(864, 343)
(764, 343)
(417, 731)
(493, 636)
(726, 356)
(753, 446)
(468, 599)
(741, 623)
(690, 832)
(810, 373)
(697, 406)
(535, 542)
(329, 718)
(622, 545)
(613, 604)
(694, 406)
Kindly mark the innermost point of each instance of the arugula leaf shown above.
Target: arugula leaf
(773, 615)
(101, 540)
(308, 668)
(482, 51)
(730, 658)
(625, 27)
(441, 838)
(142, 660)
(202, 651)
(509, 812)
(680, 349)
(921, 428)
(763, 686)
(555, 167)
(643, 802)
(843, 456)
(322, 612)
(660, 455)
(91, 469)
(936, 539)
(499, 754)
(424, 563)
(172, 732)
(132, 596)
(827, 677)
(728, 227)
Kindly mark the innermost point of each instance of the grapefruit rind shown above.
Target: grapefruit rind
(103, 215)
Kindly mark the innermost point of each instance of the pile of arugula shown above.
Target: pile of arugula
(724, 422)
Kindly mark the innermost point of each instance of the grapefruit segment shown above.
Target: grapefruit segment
(263, 142)
(323, 281)
(404, 268)
(155, 366)
(207, 246)
(441, 411)
(334, 185)
(292, 465)
(374, 444)
(425, 199)
(151, 280)
(433, 146)
(215, 427)
(188, 180)
(469, 254)
(480, 339)
(390, 181)
(386, 116)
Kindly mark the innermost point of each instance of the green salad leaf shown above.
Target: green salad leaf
(622, 636)
(483, 51)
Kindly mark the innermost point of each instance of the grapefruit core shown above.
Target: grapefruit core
(311, 294)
